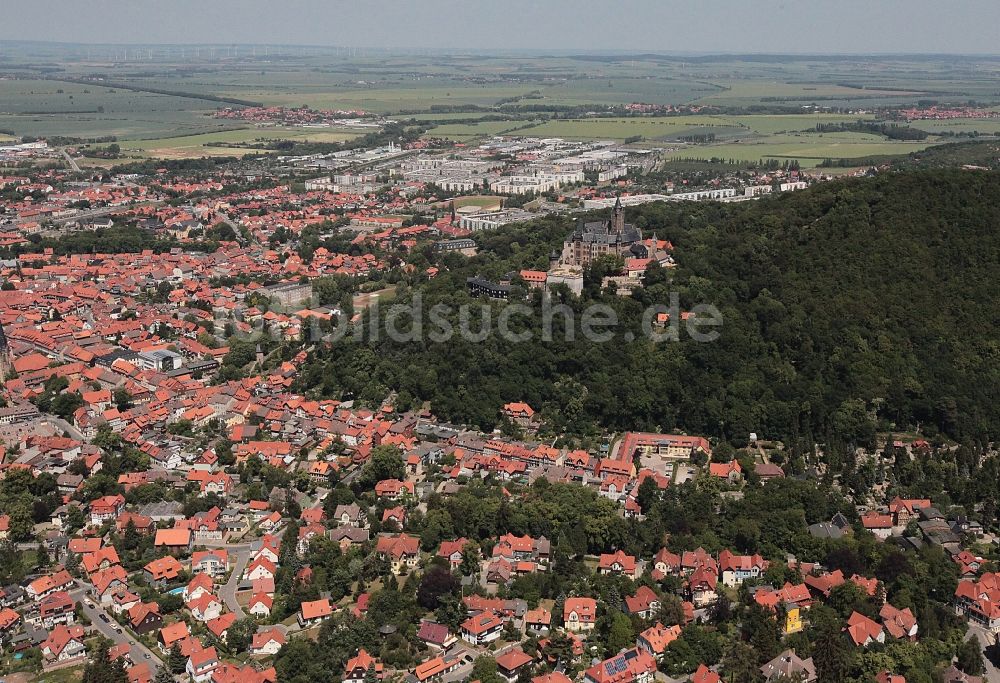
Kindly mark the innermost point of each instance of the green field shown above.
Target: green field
(809, 152)
(985, 126)
(578, 89)
(213, 144)
(464, 131)
(484, 202)
(650, 128)
(47, 108)
(753, 91)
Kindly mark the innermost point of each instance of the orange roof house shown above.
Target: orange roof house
(863, 631)
(314, 611)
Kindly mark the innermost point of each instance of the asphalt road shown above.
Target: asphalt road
(985, 639)
(240, 556)
(110, 629)
(70, 160)
(66, 427)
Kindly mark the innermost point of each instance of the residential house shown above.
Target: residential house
(863, 631)
(905, 510)
(738, 568)
(174, 541)
(537, 621)
(618, 563)
(452, 552)
(482, 628)
(65, 643)
(106, 508)
(880, 525)
(900, 623)
(358, 666)
(219, 626)
(436, 635)
(57, 608)
(201, 664)
(788, 666)
(260, 605)
(657, 638)
(212, 562)
(730, 471)
(510, 662)
(393, 489)
(435, 669)
(979, 601)
(199, 585)
(705, 675)
(314, 612)
(267, 642)
(402, 551)
(520, 414)
(162, 571)
(645, 603)
(205, 607)
(632, 666)
(579, 614)
(145, 617)
(349, 515)
(665, 563)
(172, 633)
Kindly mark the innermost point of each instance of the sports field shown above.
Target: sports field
(484, 202)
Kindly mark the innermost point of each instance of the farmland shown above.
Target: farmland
(649, 128)
(164, 107)
(215, 144)
(809, 151)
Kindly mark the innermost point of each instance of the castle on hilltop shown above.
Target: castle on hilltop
(593, 239)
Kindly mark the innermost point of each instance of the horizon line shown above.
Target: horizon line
(487, 51)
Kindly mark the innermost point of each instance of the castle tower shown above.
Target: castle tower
(6, 360)
(618, 217)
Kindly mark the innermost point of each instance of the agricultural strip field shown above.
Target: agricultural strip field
(985, 126)
(649, 128)
(741, 93)
(215, 144)
(49, 108)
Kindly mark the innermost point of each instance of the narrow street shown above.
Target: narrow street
(240, 557)
(112, 630)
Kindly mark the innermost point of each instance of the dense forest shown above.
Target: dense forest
(850, 307)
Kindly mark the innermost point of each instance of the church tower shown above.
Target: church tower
(618, 217)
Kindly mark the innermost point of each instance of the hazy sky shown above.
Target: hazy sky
(815, 26)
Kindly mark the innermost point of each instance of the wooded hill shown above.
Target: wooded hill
(852, 306)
